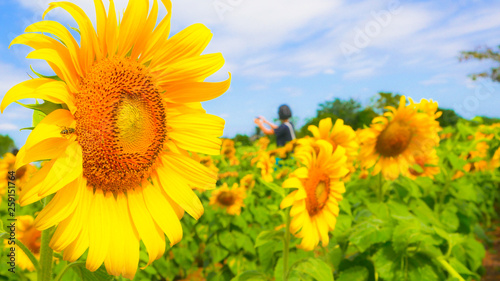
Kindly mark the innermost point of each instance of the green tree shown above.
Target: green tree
(448, 118)
(242, 139)
(384, 99)
(6, 144)
(364, 118)
(346, 110)
(484, 54)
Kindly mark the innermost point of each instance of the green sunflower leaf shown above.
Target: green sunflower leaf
(266, 236)
(314, 268)
(251, 275)
(274, 187)
(355, 273)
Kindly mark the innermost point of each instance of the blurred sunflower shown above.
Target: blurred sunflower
(6, 165)
(338, 135)
(392, 140)
(265, 163)
(247, 181)
(284, 151)
(23, 174)
(128, 100)
(262, 143)
(227, 198)
(495, 160)
(30, 237)
(227, 174)
(319, 189)
(229, 152)
(427, 165)
(206, 161)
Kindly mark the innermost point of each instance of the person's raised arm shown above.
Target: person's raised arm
(268, 123)
(264, 129)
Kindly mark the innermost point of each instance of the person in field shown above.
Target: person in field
(284, 132)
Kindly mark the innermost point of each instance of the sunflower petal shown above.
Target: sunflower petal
(176, 188)
(195, 91)
(41, 88)
(69, 229)
(145, 225)
(89, 45)
(131, 237)
(60, 207)
(194, 69)
(62, 33)
(190, 42)
(193, 172)
(99, 228)
(163, 213)
(66, 168)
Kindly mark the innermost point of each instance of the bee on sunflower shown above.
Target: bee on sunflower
(127, 109)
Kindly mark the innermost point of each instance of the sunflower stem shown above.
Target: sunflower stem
(286, 245)
(449, 268)
(28, 253)
(380, 193)
(442, 196)
(45, 272)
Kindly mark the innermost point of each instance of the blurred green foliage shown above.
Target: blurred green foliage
(6, 144)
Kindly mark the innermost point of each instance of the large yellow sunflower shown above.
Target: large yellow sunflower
(129, 109)
(392, 140)
(319, 189)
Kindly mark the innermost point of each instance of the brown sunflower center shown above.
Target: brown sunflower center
(394, 139)
(317, 189)
(120, 124)
(226, 198)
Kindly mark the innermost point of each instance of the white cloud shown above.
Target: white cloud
(280, 38)
(434, 80)
(8, 127)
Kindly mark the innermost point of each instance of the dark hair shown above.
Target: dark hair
(284, 112)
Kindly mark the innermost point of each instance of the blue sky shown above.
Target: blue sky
(306, 52)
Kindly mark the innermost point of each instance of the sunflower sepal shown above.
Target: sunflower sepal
(41, 110)
(53, 77)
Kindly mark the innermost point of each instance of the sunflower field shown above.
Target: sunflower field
(124, 175)
(315, 210)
